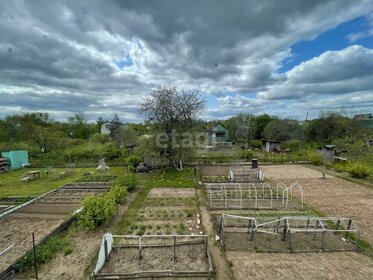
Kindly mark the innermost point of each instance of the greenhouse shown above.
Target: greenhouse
(253, 196)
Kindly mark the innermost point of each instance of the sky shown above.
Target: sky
(288, 58)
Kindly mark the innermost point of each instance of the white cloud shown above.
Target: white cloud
(65, 53)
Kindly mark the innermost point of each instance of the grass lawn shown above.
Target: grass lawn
(11, 185)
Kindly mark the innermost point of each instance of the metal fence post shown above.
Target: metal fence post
(34, 253)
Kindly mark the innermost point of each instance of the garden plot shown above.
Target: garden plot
(333, 196)
(332, 265)
(167, 211)
(16, 230)
(130, 256)
(42, 216)
(230, 173)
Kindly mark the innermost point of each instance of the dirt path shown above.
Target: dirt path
(333, 196)
(86, 245)
(337, 265)
(221, 266)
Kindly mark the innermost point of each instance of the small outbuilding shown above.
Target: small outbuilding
(327, 152)
(271, 145)
(16, 159)
(219, 134)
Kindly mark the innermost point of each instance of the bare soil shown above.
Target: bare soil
(172, 192)
(18, 230)
(189, 258)
(337, 265)
(41, 216)
(85, 250)
(333, 196)
(220, 170)
(221, 266)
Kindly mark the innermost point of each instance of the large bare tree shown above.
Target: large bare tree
(173, 113)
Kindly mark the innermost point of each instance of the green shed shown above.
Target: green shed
(219, 134)
(16, 159)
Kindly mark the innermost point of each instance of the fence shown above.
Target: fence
(246, 175)
(133, 256)
(293, 234)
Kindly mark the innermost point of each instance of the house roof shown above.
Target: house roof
(219, 128)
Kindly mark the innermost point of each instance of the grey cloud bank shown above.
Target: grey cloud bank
(72, 56)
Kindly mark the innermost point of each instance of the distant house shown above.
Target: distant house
(327, 152)
(364, 120)
(105, 128)
(271, 145)
(219, 134)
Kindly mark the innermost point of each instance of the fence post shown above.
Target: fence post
(323, 241)
(348, 228)
(337, 226)
(206, 246)
(174, 248)
(34, 253)
(106, 250)
(284, 231)
(289, 242)
(140, 248)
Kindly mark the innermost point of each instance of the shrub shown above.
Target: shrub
(132, 161)
(117, 193)
(129, 181)
(255, 144)
(97, 210)
(248, 154)
(358, 170)
(294, 145)
(111, 151)
(99, 138)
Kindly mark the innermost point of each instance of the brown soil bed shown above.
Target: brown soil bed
(336, 265)
(333, 196)
(17, 230)
(189, 258)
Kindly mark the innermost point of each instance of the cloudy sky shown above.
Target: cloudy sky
(283, 58)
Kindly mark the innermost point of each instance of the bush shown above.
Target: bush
(97, 210)
(132, 161)
(358, 170)
(117, 193)
(99, 138)
(255, 144)
(294, 145)
(111, 151)
(129, 181)
(248, 154)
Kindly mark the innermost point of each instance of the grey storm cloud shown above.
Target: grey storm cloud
(99, 57)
